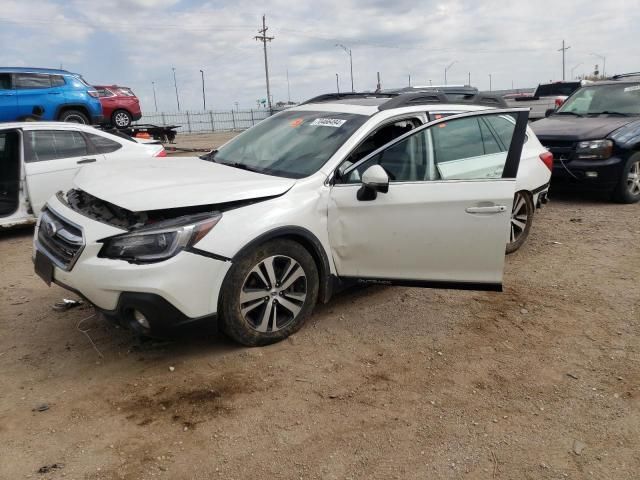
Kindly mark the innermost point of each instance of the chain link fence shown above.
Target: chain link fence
(206, 121)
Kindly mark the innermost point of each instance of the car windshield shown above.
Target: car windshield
(291, 144)
(623, 99)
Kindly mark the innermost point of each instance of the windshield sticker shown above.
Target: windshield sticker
(632, 89)
(328, 122)
(296, 123)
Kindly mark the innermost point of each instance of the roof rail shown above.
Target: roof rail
(409, 99)
(623, 75)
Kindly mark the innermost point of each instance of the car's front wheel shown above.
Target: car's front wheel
(628, 189)
(269, 293)
(121, 119)
(521, 220)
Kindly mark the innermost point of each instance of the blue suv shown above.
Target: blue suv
(47, 94)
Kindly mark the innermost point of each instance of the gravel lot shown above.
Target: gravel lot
(539, 382)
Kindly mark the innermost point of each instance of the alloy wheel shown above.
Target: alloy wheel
(633, 179)
(121, 119)
(75, 119)
(273, 293)
(519, 217)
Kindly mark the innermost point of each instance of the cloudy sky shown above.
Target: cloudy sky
(135, 42)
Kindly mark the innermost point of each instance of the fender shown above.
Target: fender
(627, 136)
(310, 242)
(72, 106)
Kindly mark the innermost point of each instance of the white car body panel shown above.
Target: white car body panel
(40, 180)
(161, 183)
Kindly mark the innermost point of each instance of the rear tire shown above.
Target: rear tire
(521, 220)
(121, 119)
(269, 293)
(628, 189)
(74, 116)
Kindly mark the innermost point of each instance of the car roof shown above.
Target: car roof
(355, 108)
(45, 125)
(53, 71)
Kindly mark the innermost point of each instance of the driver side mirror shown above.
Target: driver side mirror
(374, 180)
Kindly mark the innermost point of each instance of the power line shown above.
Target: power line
(264, 39)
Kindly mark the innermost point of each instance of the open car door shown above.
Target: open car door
(431, 208)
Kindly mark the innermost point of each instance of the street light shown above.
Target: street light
(204, 101)
(337, 84)
(573, 69)
(490, 88)
(445, 71)
(348, 51)
(604, 63)
(175, 84)
(155, 101)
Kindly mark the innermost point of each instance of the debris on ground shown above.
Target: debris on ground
(49, 468)
(43, 407)
(66, 304)
(578, 447)
(571, 375)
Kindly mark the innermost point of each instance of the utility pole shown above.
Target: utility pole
(264, 39)
(288, 88)
(204, 100)
(490, 89)
(237, 108)
(175, 84)
(469, 83)
(445, 71)
(563, 50)
(155, 101)
(348, 51)
(337, 84)
(409, 79)
(379, 84)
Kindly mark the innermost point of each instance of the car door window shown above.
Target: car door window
(32, 80)
(57, 81)
(102, 144)
(460, 149)
(5, 81)
(54, 144)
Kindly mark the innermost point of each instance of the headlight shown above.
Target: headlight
(594, 149)
(161, 240)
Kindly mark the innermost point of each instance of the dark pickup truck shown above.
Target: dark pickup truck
(595, 138)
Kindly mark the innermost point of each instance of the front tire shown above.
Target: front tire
(521, 220)
(269, 293)
(121, 119)
(74, 116)
(628, 190)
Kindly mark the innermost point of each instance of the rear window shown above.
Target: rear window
(127, 92)
(557, 89)
(103, 144)
(32, 80)
(103, 92)
(57, 81)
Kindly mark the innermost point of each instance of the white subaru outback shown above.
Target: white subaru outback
(397, 189)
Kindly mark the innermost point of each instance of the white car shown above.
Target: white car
(37, 159)
(378, 189)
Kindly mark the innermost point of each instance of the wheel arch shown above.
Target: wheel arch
(81, 108)
(310, 242)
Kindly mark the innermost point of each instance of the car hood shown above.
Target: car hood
(568, 127)
(163, 183)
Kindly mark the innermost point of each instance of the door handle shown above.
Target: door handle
(86, 160)
(54, 93)
(491, 209)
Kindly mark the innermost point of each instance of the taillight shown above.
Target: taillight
(161, 153)
(547, 159)
(93, 93)
(559, 102)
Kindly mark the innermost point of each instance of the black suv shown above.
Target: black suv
(595, 137)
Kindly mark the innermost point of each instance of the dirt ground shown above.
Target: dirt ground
(539, 382)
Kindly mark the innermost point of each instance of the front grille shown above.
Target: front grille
(562, 149)
(59, 239)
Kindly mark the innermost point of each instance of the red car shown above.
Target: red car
(120, 106)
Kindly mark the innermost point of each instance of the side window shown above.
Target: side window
(5, 81)
(457, 139)
(102, 144)
(503, 127)
(54, 144)
(491, 144)
(57, 81)
(32, 80)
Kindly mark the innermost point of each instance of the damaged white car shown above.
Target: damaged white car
(340, 190)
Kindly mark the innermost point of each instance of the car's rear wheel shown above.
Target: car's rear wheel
(121, 119)
(74, 116)
(628, 190)
(521, 220)
(269, 293)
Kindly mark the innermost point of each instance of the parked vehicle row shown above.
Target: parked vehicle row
(390, 188)
(546, 96)
(59, 95)
(37, 159)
